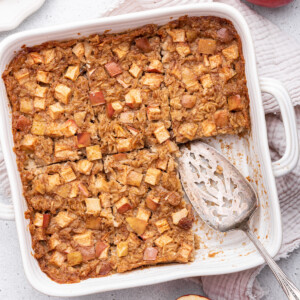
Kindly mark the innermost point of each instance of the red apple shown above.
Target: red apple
(113, 69)
(88, 253)
(46, 220)
(23, 123)
(270, 3)
(97, 98)
(124, 208)
(132, 130)
(143, 44)
(83, 139)
(109, 110)
(150, 253)
(100, 247)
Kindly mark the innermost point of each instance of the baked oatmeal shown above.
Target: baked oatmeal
(205, 76)
(95, 124)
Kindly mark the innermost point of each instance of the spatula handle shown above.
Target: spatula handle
(289, 288)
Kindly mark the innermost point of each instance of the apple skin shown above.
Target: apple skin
(270, 3)
(192, 297)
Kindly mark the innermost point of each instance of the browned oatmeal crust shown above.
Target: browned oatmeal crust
(95, 122)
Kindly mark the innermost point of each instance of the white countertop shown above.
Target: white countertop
(13, 283)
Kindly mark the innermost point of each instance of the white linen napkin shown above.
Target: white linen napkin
(278, 56)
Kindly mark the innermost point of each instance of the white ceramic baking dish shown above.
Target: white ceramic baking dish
(219, 253)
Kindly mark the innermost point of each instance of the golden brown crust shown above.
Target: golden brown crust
(94, 121)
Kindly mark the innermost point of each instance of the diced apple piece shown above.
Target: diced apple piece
(83, 189)
(92, 206)
(79, 117)
(190, 79)
(38, 128)
(53, 181)
(152, 202)
(143, 214)
(83, 139)
(147, 235)
(57, 259)
(107, 214)
(209, 128)
(155, 66)
(133, 98)
(104, 254)
(49, 56)
(150, 253)
(153, 176)
(127, 117)
(183, 49)
(178, 35)
(231, 52)
(224, 35)
(26, 106)
(23, 123)
(123, 205)
(29, 141)
(184, 252)
(122, 249)
(63, 219)
(227, 73)
(137, 225)
(135, 70)
(84, 239)
(162, 225)
(117, 106)
(143, 44)
(152, 80)
(188, 130)
(39, 103)
(38, 220)
(173, 198)
(177, 216)
(101, 184)
(72, 72)
(36, 57)
(163, 240)
(62, 93)
(67, 174)
(161, 134)
(235, 103)
(46, 220)
(42, 76)
(109, 110)
(215, 61)
(22, 75)
(206, 81)
(153, 112)
(97, 98)
(74, 258)
(171, 146)
(78, 50)
(133, 130)
(93, 152)
(53, 241)
(55, 110)
(162, 164)
(119, 52)
(100, 247)
(41, 91)
(113, 69)
(207, 46)
(84, 166)
(124, 145)
(134, 178)
(69, 128)
(188, 101)
(221, 118)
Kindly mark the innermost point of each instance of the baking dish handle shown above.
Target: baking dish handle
(6, 212)
(290, 158)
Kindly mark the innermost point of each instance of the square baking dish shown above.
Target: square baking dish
(218, 253)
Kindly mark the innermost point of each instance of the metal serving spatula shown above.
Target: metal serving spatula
(224, 199)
